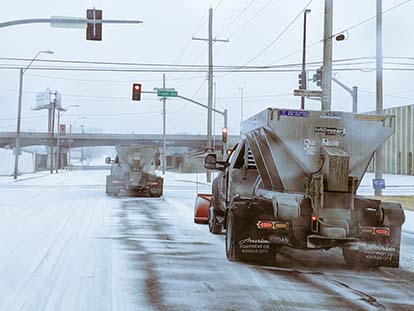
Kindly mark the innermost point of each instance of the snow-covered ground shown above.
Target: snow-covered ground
(398, 185)
(65, 245)
(26, 162)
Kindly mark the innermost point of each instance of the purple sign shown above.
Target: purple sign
(294, 113)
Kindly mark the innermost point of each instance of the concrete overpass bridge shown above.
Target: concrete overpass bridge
(76, 140)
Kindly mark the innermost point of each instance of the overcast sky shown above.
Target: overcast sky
(166, 33)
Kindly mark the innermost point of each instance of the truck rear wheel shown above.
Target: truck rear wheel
(213, 224)
(231, 251)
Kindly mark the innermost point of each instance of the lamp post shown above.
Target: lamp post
(58, 137)
(70, 136)
(19, 113)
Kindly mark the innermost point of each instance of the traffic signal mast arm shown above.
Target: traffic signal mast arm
(223, 113)
(65, 20)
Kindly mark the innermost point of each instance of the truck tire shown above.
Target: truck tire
(231, 251)
(216, 195)
(213, 225)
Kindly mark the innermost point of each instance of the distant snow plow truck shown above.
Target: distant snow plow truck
(292, 180)
(133, 171)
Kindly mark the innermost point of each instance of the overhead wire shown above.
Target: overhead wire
(343, 31)
(236, 17)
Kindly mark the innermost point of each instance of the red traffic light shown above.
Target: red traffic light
(224, 133)
(136, 91)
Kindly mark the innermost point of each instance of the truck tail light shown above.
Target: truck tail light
(375, 231)
(382, 231)
(280, 225)
(314, 223)
(264, 224)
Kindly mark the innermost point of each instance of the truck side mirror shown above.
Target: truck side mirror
(157, 162)
(108, 160)
(210, 162)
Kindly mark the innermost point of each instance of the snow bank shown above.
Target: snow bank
(409, 222)
(26, 162)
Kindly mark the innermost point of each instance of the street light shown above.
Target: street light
(58, 138)
(19, 112)
(70, 136)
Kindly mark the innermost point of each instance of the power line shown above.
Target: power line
(280, 35)
(345, 30)
(103, 81)
(245, 24)
(274, 40)
(236, 17)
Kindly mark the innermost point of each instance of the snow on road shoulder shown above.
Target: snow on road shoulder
(409, 222)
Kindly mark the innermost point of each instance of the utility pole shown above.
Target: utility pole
(305, 13)
(82, 127)
(164, 130)
(58, 144)
(379, 155)
(19, 115)
(70, 144)
(210, 41)
(241, 103)
(52, 133)
(327, 57)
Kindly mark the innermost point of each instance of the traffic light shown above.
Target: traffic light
(302, 80)
(318, 77)
(136, 91)
(224, 134)
(94, 25)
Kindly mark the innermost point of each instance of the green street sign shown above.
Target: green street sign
(167, 93)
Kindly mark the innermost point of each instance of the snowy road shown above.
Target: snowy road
(64, 245)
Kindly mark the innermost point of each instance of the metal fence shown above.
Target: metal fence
(399, 149)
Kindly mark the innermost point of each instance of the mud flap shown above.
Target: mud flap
(243, 242)
(110, 188)
(384, 252)
(379, 251)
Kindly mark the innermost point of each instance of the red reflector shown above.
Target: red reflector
(265, 225)
(382, 231)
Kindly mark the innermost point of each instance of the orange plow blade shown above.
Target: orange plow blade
(201, 206)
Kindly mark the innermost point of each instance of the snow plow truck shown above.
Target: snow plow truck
(133, 172)
(292, 180)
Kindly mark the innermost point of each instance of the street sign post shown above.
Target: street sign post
(307, 93)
